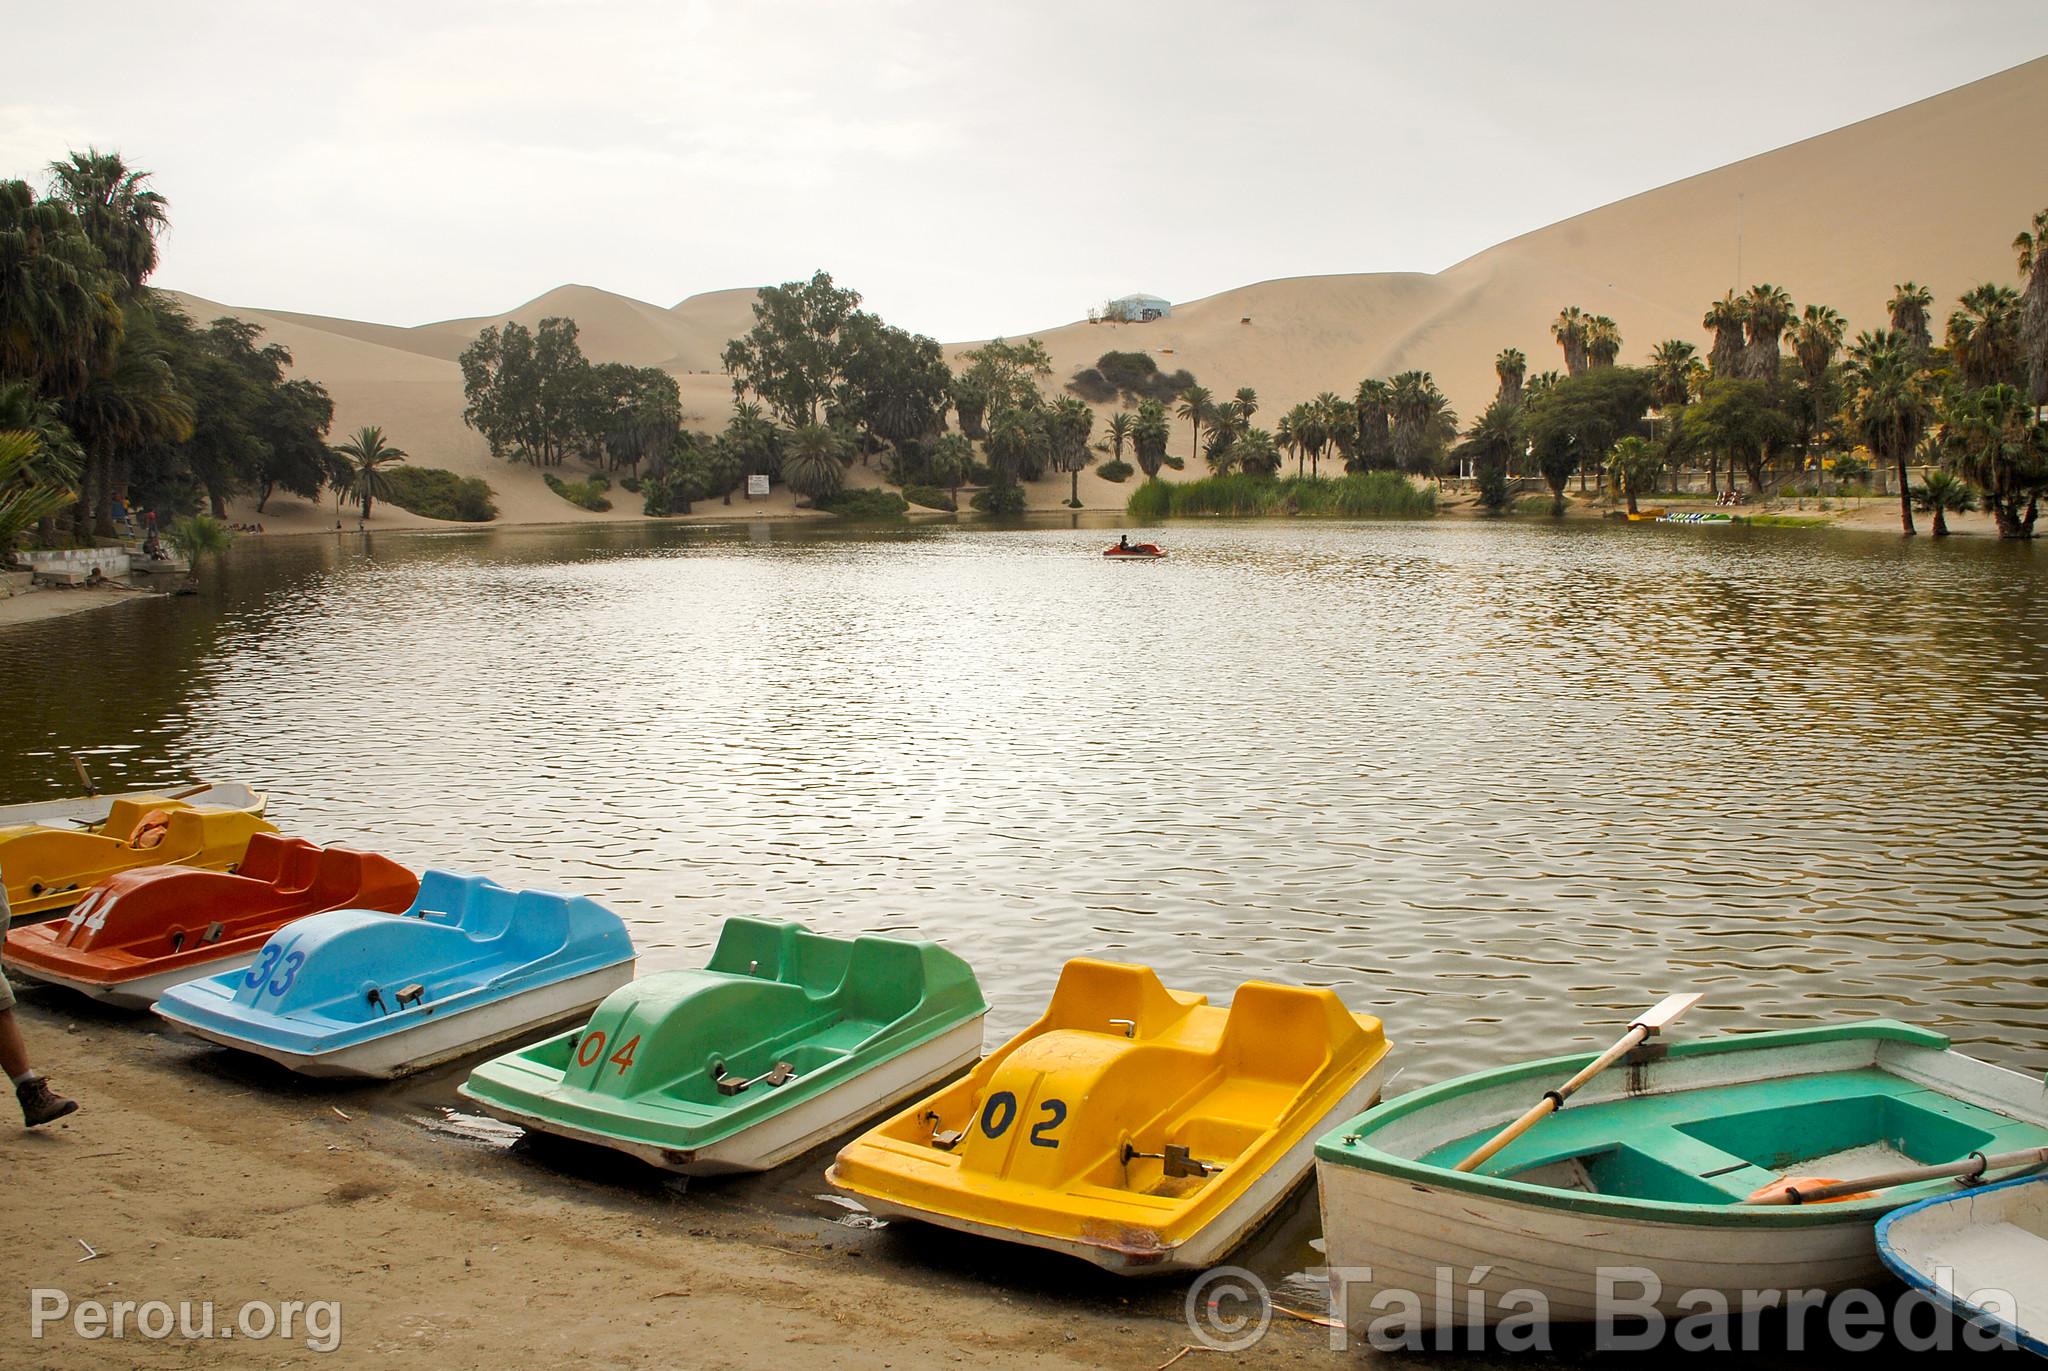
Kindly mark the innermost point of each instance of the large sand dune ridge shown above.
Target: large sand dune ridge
(1932, 192)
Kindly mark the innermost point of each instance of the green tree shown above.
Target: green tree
(1014, 441)
(814, 462)
(1195, 407)
(1984, 337)
(1569, 328)
(2031, 247)
(1908, 308)
(1816, 338)
(528, 392)
(1675, 372)
(33, 485)
(1764, 322)
(1374, 403)
(1068, 426)
(1247, 402)
(1149, 437)
(794, 357)
(1578, 418)
(1943, 493)
(1632, 470)
(1255, 453)
(365, 456)
(1423, 423)
(2002, 449)
(1118, 431)
(1490, 445)
(970, 403)
(1511, 366)
(949, 461)
(1726, 317)
(137, 402)
(1888, 404)
(59, 321)
(1742, 418)
(117, 210)
(1603, 341)
(896, 384)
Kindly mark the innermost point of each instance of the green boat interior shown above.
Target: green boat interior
(1720, 1146)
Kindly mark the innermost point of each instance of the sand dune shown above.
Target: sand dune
(1933, 192)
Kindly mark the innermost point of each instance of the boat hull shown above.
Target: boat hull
(1966, 1244)
(1201, 1249)
(77, 808)
(782, 1137)
(136, 992)
(439, 1038)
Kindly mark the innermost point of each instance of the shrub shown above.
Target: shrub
(931, 497)
(582, 493)
(631, 483)
(1002, 500)
(1118, 470)
(1363, 495)
(868, 503)
(195, 535)
(433, 493)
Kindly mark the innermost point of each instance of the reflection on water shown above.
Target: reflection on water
(1503, 785)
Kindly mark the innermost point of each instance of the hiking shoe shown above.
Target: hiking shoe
(40, 1104)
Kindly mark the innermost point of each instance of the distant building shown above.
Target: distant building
(1138, 309)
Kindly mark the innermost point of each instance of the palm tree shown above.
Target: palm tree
(1491, 446)
(59, 321)
(1984, 334)
(1375, 418)
(948, 461)
(1148, 438)
(1603, 341)
(1674, 367)
(136, 403)
(1195, 408)
(1908, 306)
(365, 456)
(1068, 427)
(2004, 451)
(2032, 250)
(1770, 310)
(120, 214)
(32, 485)
(1726, 317)
(1511, 366)
(1255, 453)
(1632, 468)
(1889, 406)
(1569, 328)
(1423, 422)
(1287, 433)
(1941, 493)
(1247, 402)
(1816, 337)
(1118, 431)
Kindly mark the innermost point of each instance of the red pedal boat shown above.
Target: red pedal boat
(1137, 552)
(140, 932)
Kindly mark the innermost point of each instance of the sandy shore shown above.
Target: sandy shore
(47, 603)
(198, 1179)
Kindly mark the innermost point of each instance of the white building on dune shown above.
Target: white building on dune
(1138, 309)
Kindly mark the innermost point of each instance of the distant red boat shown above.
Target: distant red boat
(139, 932)
(1143, 552)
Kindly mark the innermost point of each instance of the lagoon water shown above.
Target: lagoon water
(1503, 785)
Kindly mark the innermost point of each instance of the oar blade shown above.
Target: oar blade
(1666, 1011)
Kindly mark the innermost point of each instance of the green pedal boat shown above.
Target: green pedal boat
(786, 1039)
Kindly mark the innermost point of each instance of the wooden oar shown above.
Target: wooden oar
(1664, 1014)
(1973, 1166)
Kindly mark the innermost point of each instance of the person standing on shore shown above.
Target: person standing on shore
(39, 1103)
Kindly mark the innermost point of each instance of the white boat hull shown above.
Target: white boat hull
(797, 1130)
(1386, 1237)
(441, 1038)
(142, 991)
(93, 808)
(1209, 1244)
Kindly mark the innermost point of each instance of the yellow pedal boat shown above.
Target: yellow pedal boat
(1133, 1126)
(48, 869)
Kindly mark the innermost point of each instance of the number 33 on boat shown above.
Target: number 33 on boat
(1133, 1126)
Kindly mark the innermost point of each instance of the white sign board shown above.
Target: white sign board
(757, 487)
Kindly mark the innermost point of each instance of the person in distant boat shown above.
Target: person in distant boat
(1123, 542)
(39, 1103)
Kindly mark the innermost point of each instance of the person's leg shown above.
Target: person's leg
(13, 1052)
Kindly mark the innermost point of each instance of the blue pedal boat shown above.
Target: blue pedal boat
(355, 992)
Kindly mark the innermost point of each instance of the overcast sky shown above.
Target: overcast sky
(971, 168)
